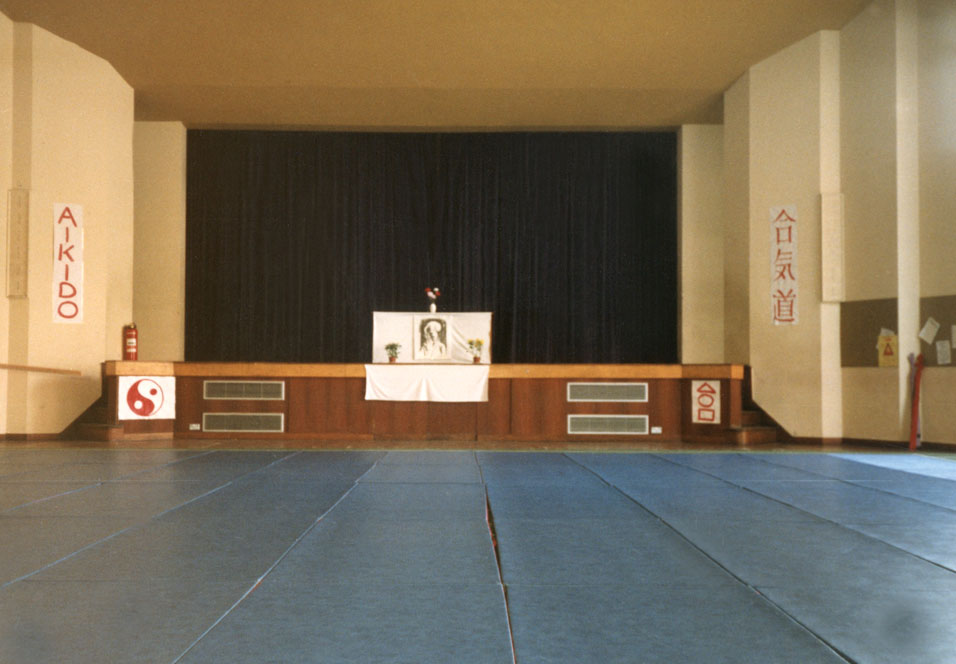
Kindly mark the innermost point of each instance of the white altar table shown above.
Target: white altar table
(431, 337)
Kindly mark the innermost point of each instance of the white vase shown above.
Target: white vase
(433, 307)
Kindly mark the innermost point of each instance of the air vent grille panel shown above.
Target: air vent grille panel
(256, 390)
(611, 425)
(243, 422)
(607, 392)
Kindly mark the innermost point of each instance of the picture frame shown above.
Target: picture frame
(432, 339)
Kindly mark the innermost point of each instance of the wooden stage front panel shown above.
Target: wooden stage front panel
(525, 402)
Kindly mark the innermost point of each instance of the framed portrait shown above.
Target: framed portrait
(431, 339)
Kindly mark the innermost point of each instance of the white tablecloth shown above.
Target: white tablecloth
(426, 382)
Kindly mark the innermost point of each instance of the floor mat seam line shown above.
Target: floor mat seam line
(493, 534)
(275, 564)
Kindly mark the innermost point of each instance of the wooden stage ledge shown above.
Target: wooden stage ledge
(526, 402)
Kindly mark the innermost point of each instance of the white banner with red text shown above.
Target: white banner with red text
(783, 265)
(67, 263)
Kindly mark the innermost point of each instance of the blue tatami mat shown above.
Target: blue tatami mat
(373, 623)
(847, 562)
(940, 466)
(594, 576)
(209, 557)
(877, 501)
(656, 624)
(401, 570)
(89, 581)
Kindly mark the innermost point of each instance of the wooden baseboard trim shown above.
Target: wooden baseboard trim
(813, 441)
(245, 436)
(938, 447)
(899, 445)
(875, 443)
(158, 435)
(30, 437)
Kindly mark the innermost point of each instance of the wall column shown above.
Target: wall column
(159, 276)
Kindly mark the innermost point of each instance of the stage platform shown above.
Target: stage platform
(525, 402)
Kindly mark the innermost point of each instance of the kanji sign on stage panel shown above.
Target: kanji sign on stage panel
(706, 401)
(147, 398)
(67, 263)
(783, 265)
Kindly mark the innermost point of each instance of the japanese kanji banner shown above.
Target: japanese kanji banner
(67, 263)
(783, 265)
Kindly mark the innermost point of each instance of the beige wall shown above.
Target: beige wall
(871, 400)
(868, 149)
(159, 279)
(867, 113)
(899, 84)
(71, 138)
(937, 398)
(937, 175)
(701, 244)
(870, 404)
(736, 198)
(937, 145)
(6, 182)
(788, 157)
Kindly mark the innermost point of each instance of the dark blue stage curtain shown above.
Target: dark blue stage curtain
(294, 238)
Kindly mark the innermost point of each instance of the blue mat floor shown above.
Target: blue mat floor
(473, 557)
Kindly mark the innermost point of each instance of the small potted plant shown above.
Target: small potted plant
(392, 350)
(474, 348)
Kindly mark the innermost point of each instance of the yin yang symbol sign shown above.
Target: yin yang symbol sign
(144, 397)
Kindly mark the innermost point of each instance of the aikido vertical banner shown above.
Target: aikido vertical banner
(783, 265)
(67, 263)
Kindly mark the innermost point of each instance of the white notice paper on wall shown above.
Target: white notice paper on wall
(943, 353)
(928, 333)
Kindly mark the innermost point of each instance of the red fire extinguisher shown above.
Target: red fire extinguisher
(129, 342)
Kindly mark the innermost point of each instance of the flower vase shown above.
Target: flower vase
(433, 307)
(391, 360)
(476, 358)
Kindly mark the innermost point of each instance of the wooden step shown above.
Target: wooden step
(751, 418)
(98, 432)
(757, 435)
(97, 414)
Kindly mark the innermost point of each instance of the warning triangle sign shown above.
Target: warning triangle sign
(888, 350)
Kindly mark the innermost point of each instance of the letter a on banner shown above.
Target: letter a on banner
(67, 263)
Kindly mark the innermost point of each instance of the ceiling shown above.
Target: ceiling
(432, 64)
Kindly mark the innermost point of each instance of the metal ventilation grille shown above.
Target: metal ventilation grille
(613, 425)
(243, 422)
(607, 392)
(261, 390)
